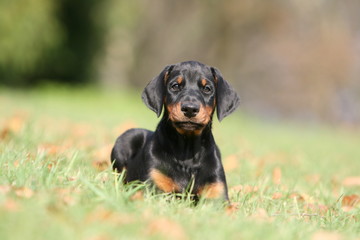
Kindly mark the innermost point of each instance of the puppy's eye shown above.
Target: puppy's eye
(175, 87)
(207, 89)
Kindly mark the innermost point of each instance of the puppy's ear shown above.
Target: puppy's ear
(154, 92)
(227, 100)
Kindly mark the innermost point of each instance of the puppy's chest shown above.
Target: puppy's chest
(176, 177)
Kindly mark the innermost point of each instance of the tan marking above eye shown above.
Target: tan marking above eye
(179, 80)
(163, 182)
(212, 190)
(203, 82)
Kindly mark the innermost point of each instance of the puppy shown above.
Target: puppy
(182, 150)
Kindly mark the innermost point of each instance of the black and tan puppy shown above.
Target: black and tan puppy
(182, 149)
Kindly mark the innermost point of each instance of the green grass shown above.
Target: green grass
(54, 182)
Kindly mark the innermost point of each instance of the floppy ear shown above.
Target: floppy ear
(227, 100)
(154, 92)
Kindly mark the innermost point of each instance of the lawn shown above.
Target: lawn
(286, 180)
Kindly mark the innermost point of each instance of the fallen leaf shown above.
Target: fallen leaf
(276, 176)
(231, 162)
(11, 205)
(102, 157)
(231, 209)
(261, 215)
(298, 197)
(277, 195)
(315, 178)
(260, 167)
(4, 189)
(4, 133)
(101, 214)
(166, 228)
(13, 125)
(326, 235)
(350, 200)
(100, 237)
(24, 192)
(16, 123)
(139, 195)
(347, 208)
(80, 130)
(16, 163)
(316, 208)
(245, 189)
(125, 126)
(51, 149)
(351, 181)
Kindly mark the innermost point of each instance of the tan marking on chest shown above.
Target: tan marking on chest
(212, 190)
(163, 182)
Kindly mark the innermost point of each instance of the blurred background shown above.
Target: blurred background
(288, 59)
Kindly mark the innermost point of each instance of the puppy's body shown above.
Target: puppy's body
(182, 150)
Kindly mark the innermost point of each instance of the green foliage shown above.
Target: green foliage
(28, 29)
(49, 188)
(45, 39)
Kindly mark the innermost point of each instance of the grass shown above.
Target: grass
(288, 181)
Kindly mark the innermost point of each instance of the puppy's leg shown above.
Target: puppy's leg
(127, 146)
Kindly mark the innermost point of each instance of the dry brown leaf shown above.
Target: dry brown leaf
(4, 133)
(297, 196)
(16, 163)
(81, 130)
(315, 178)
(261, 215)
(351, 181)
(316, 208)
(16, 123)
(347, 208)
(244, 189)
(326, 235)
(4, 189)
(349, 202)
(101, 214)
(260, 167)
(100, 237)
(13, 125)
(125, 126)
(24, 192)
(11, 205)
(276, 176)
(139, 195)
(68, 200)
(277, 195)
(231, 209)
(166, 228)
(52, 149)
(67, 196)
(231, 162)
(102, 157)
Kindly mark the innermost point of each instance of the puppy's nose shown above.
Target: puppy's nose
(190, 109)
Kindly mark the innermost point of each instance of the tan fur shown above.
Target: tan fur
(163, 182)
(179, 80)
(176, 115)
(213, 190)
(203, 82)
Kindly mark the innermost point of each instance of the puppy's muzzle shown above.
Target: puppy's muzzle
(190, 109)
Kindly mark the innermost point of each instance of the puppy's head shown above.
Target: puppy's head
(190, 92)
